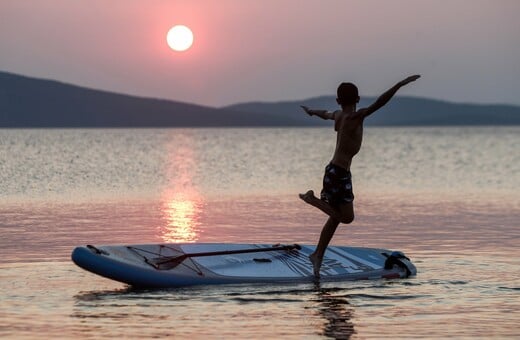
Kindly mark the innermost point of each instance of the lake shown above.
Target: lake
(446, 196)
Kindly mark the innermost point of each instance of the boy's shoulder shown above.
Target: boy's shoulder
(342, 115)
(338, 114)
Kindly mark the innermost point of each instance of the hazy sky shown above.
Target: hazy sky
(466, 50)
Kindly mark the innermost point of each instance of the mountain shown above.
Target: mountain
(31, 102)
(400, 111)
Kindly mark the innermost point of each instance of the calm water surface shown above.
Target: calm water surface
(447, 197)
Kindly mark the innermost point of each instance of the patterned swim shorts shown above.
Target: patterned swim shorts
(337, 186)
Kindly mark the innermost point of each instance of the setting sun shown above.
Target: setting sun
(179, 38)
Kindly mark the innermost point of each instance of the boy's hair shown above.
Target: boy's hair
(347, 94)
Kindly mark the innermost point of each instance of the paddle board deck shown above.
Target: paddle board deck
(177, 265)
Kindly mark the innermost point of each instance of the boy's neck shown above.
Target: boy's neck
(348, 108)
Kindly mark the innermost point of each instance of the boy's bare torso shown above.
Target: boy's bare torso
(349, 127)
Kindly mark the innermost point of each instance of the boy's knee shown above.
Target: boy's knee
(347, 219)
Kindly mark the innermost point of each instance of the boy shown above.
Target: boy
(336, 196)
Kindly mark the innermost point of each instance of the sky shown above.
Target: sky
(270, 50)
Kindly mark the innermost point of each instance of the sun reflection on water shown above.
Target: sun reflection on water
(181, 214)
(182, 203)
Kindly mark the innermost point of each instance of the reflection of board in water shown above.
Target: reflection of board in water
(175, 265)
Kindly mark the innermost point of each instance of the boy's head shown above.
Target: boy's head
(347, 94)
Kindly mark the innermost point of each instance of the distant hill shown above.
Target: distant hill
(401, 111)
(30, 102)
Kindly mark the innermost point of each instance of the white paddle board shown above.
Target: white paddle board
(177, 265)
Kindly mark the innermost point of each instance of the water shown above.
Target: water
(447, 197)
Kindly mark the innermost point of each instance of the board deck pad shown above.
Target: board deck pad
(176, 265)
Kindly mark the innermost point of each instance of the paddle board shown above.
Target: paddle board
(177, 265)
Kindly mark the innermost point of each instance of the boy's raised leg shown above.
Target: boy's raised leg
(309, 198)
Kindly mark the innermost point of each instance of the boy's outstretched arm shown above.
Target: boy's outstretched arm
(324, 114)
(385, 97)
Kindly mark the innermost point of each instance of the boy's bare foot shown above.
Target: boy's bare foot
(316, 264)
(308, 196)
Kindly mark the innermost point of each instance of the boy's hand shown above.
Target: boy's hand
(409, 79)
(306, 109)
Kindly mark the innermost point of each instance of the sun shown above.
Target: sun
(179, 38)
